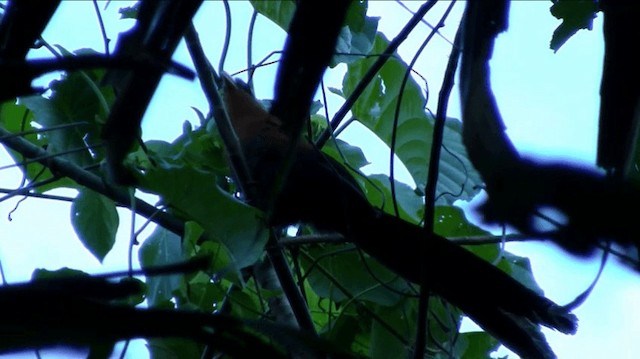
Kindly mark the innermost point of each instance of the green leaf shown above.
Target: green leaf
(171, 348)
(376, 108)
(222, 264)
(192, 233)
(245, 305)
(127, 291)
(336, 91)
(361, 279)
(378, 190)
(357, 36)
(47, 114)
(575, 15)
(17, 119)
(193, 195)
(346, 154)
(476, 345)
(196, 148)
(385, 344)
(161, 248)
(205, 295)
(41, 273)
(344, 329)
(451, 222)
(78, 102)
(443, 323)
(129, 12)
(95, 220)
(137, 298)
(280, 12)
(520, 269)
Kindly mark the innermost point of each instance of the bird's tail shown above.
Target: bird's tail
(494, 300)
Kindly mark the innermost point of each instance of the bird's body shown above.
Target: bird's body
(320, 192)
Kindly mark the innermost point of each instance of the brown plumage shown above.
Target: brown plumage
(320, 192)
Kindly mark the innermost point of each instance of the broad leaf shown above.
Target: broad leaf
(79, 102)
(520, 269)
(575, 15)
(170, 348)
(347, 329)
(161, 248)
(363, 277)
(280, 12)
(356, 36)
(386, 344)
(17, 119)
(350, 156)
(444, 321)
(451, 222)
(378, 190)
(376, 109)
(95, 220)
(477, 345)
(194, 195)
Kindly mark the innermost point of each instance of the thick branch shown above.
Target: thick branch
(595, 207)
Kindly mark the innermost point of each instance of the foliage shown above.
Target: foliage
(355, 302)
(575, 16)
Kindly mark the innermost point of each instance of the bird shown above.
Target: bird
(320, 192)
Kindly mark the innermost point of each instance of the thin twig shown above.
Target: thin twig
(366, 79)
(352, 298)
(103, 30)
(227, 36)
(401, 3)
(46, 155)
(432, 181)
(251, 69)
(85, 178)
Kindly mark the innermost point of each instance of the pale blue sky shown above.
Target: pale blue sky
(549, 103)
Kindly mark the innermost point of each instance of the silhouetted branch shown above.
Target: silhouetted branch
(90, 180)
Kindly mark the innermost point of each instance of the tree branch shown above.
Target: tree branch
(91, 181)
